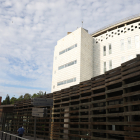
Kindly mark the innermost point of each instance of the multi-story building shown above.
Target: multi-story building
(80, 56)
(73, 59)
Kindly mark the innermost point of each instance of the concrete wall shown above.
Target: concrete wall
(83, 53)
(87, 64)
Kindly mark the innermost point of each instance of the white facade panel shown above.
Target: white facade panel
(121, 50)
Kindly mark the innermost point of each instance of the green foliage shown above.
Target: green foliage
(27, 96)
(21, 97)
(13, 100)
(34, 95)
(6, 101)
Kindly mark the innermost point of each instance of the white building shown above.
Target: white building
(80, 56)
(73, 60)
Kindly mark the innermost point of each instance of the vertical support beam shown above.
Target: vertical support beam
(107, 127)
(34, 128)
(2, 136)
(5, 136)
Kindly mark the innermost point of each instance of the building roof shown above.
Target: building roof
(116, 25)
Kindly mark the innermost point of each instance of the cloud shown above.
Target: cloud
(30, 29)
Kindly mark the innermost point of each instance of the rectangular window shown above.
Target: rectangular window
(122, 45)
(110, 64)
(129, 42)
(104, 51)
(110, 49)
(66, 81)
(104, 67)
(68, 49)
(67, 65)
(137, 43)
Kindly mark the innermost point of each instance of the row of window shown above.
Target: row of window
(137, 43)
(66, 81)
(68, 49)
(123, 59)
(67, 65)
(104, 50)
(110, 65)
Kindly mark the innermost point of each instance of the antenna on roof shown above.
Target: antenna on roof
(82, 24)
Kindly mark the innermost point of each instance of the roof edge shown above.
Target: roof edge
(115, 24)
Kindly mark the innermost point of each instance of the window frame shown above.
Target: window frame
(104, 50)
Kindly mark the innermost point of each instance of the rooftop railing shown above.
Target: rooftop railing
(122, 20)
(8, 136)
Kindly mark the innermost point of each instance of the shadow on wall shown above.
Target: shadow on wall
(96, 58)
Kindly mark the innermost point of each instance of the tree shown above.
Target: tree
(27, 96)
(13, 100)
(6, 101)
(40, 92)
(20, 98)
(34, 95)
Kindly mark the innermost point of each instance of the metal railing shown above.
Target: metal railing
(116, 22)
(8, 136)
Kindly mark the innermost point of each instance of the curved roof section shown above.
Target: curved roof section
(116, 25)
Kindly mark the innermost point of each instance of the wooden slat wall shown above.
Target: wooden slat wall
(107, 107)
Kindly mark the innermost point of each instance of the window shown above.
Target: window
(122, 59)
(53, 87)
(104, 67)
(110, 49)
(122, 45)
(68, 49)
(54, 72)
(110, 64)
(68, 64)
(104, 51)
(129, 42)
(137, 44)
(66, 81)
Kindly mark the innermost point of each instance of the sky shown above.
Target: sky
(30, 29)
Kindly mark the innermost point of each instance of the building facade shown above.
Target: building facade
(70, 60)
(115, 45)
(80, 56)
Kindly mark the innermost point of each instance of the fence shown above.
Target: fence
(8, 136)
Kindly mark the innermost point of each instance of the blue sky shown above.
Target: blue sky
(29, 30)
